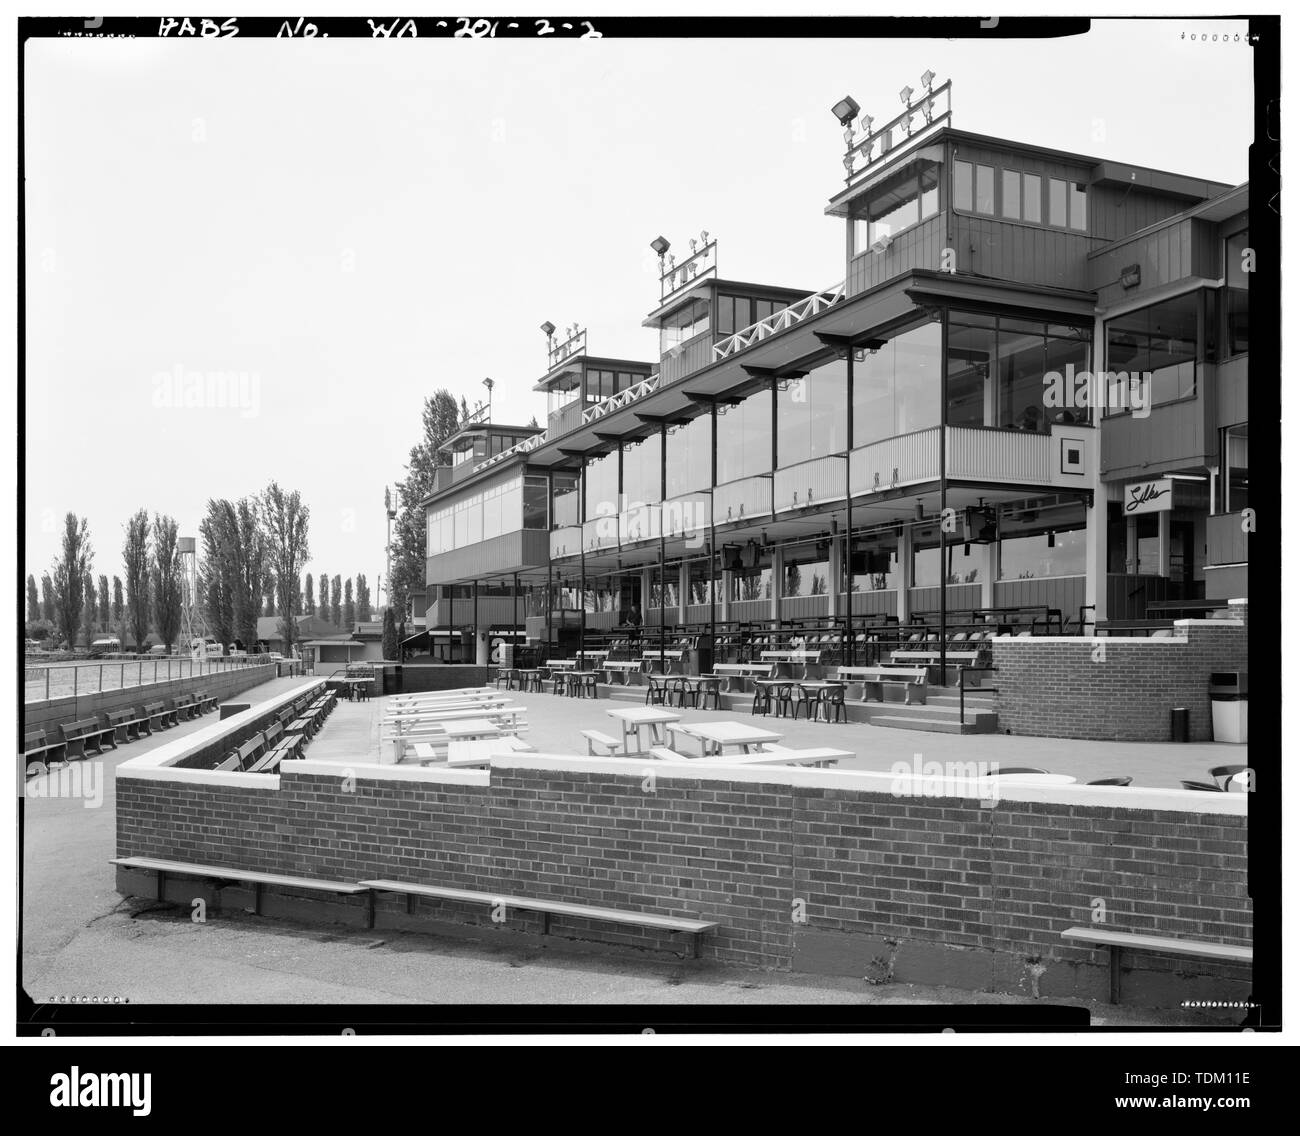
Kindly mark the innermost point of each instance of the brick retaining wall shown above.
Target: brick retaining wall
(837, 880)
(1115, 689)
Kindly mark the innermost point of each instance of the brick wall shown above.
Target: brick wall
(49, 715)
(1115, 689)
(829, 880)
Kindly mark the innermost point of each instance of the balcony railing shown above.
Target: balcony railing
(974, 453)
(688, 515)
(524, 447)
(749, 498)
(600, 533)
(894, 462)
(808, 483)
(566, 541)
(638, 523)
(779, 321)
(620, 400)
(685, 359)
(574, 344)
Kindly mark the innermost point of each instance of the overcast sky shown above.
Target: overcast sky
(349, 225)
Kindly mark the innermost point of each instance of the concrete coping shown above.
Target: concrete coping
(921, 786)
(911, 785)
(162, 764)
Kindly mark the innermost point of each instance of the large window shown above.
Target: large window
(1236, 297)
(643, 471)
(896, 389)
(735, 313)
(811, 414)
(665, 593)
(902, 206)
(745, 437)
(601, 476)
(685, 323)
(806, 572)
(1234, 469)
(1017, 374)
(963, 564)
(704, 582)
(1159, 342)
(567, 489)
(752, 583)
(495, 509)
(535, 501)
(689, 460)
(1040, 538)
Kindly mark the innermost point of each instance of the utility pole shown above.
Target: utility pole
(388, 548)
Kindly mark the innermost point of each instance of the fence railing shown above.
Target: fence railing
(70, 680)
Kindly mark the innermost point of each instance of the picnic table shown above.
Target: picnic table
(635, 718)
(471, 729)
(716, 737)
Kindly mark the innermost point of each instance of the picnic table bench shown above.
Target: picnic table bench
(624, 667)
(87, 732)
(1118, 941)
(740, 671)
(915, 681)
(36, 747)
(259, 880)
(547, 908)
(469, 754)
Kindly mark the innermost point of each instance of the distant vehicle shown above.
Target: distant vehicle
(207, 648)
(158, 649)
(30, 645)
(105, 645)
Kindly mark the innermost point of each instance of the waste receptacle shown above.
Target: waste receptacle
(1178, 726)
(1228, 702)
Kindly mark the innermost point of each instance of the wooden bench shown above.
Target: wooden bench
(595, 738)
(670, 658)
(184, 706)
(930, 660)
(259, 880)
(158, 712)
(88, 732)
(1119, 941)
(874, 679)
(231, 764)
(696, 928)
(37, 749)
(205, 701)
(126, 724)
(249, 752)
(730, 672)
(269, 762)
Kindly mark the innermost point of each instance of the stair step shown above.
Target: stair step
(932, 725)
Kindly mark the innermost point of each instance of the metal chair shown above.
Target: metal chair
(762, 699)
(709, 688)
(656, 691)
(808, 700)
(833, 702)
(782, 700)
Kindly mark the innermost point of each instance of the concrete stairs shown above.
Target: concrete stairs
(941, 713)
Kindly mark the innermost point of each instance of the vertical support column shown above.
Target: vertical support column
(986, 556)
(1131, 546)
(834, 595)
(683, 589)
(1095, 558)
(778, 575)
(904, 573)
(1165, 521)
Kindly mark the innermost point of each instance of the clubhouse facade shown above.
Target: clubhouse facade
(1025, 404)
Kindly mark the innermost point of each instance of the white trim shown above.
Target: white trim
(902, 788)
(368, 771)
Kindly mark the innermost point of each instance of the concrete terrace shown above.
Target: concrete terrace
(352, 734)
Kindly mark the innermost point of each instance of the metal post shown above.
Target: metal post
(101, 678)
(663, 488)
(943, 503)
(515, 638)
(849, 651)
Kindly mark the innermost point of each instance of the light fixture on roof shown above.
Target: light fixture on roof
(905, 96)
(927, 80)
(660, 246)
(548, 329)
(846, 110)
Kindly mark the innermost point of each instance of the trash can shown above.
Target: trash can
(1228, 703)
(1178, 725)
(507, 656)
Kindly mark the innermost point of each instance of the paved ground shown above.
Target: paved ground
(554, 724)
(81, 938)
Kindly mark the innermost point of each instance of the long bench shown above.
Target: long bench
(696, 928)
(259, 880)
(1118, 941)
(36, 748)
(159, 712)
(88, 732)
(127, 724)
(915, 681)
(625, 667)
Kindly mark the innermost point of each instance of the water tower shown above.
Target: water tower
(194, 628)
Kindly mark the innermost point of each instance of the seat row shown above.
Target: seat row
(109, 729)
(286, 738)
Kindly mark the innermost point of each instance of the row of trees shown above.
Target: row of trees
(253, 551)
(339, 604)
(72, 607)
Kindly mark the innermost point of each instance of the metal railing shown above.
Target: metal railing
(620, 400)
(55, 682)
(779, 321)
